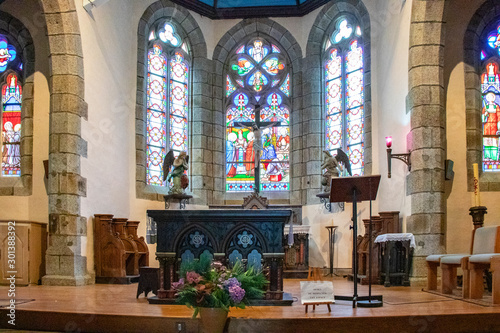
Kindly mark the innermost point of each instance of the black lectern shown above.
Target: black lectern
(357, 189)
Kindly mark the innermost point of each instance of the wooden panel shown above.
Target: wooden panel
(22, 254)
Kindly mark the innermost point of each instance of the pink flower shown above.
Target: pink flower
(193, 277)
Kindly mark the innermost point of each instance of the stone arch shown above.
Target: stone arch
(66, 263)
(21, 39)
(199, 86)
(482, 20)
(426, 102)
(243, 30)
(323, 27)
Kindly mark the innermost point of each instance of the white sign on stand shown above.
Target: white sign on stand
(316, 292)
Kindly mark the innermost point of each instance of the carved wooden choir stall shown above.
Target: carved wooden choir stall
(118, 250)
(386, 222)
(252, 236)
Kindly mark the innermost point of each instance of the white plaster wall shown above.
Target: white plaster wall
(390, 41)
(459, 223)
(35, 206)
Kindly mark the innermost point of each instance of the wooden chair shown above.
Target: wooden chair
(485, 242)
(315, 274)
(478, 262)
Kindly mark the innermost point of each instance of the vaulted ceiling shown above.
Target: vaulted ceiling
(227, 9)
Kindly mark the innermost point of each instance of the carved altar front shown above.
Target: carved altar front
(297, 252)
(253, 236)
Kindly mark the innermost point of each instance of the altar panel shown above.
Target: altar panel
(253, 236)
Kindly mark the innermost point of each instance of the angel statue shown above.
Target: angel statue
(333, 166)
(180, 164)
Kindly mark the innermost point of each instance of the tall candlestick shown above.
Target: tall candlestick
(477, 197)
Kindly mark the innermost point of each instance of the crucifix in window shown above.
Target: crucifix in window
(257, 126)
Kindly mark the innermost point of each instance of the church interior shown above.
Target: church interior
(357, 139)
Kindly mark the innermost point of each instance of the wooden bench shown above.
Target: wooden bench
(486, 240)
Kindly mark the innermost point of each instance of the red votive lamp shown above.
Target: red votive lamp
(388, 141)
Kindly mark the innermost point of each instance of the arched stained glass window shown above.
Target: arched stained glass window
(258, 94)
(167, 99)
(11, 109)
(490, 89)
(344, 93)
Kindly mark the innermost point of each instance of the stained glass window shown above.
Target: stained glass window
(490, 90)
(262, 74)
(344, 94)
(167, 99)
(490, 114)
(12, 93)
(11, 127)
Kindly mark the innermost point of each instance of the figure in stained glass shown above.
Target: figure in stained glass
(7, 53)
(283, 143)
(250, 154)
(491, 115)
(258, 52)
(242, 67)
(273, 66)
(258, 81)
(231, 154)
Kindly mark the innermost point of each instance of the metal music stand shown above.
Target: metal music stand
(356, 189)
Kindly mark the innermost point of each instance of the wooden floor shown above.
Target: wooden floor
(114, 308)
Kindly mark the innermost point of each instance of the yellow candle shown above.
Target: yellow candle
(477, 197)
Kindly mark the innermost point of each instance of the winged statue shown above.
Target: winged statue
(173, 170)
(334, 166)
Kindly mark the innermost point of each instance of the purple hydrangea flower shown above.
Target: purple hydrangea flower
(236, 293)
(231, 282)
(178, 285)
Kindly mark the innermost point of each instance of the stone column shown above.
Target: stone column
(65, 257)
(426, 102)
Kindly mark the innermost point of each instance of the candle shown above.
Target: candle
(477, 197)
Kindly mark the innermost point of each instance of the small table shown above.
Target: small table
(395, 256)
(331, 249)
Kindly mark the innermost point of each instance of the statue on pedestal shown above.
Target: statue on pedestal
(179, 164)
(333, 167)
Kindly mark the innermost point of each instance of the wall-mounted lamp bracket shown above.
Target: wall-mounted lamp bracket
(402, 157)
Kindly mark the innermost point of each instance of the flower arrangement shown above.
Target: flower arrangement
(210, 284)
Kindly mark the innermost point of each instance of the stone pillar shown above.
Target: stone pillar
(65, 257)
(426, 102)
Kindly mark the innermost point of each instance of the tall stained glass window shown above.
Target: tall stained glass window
(490, 89)
(11, 71)
(258, 83)
(167, 99)
(344, 93)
